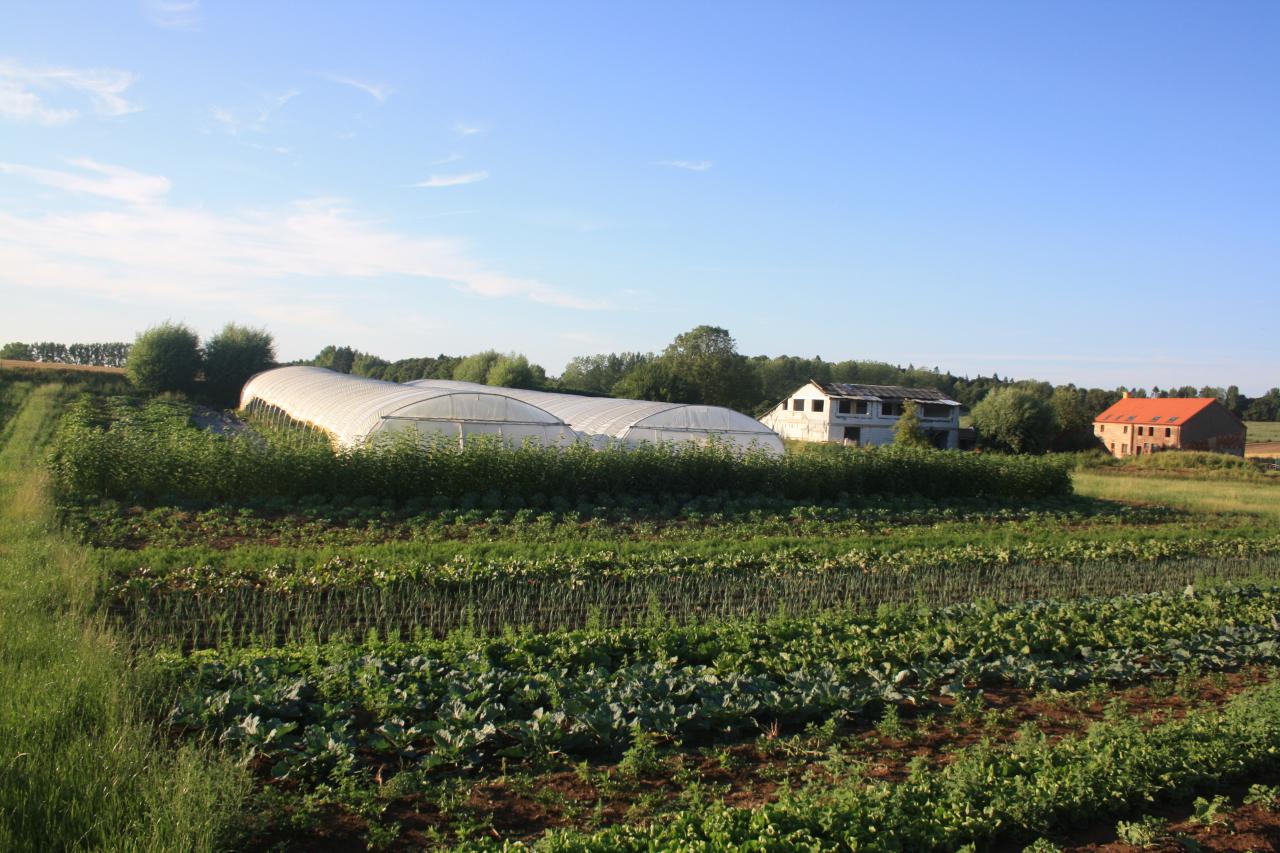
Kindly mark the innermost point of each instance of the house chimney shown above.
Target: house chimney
(1125, 395)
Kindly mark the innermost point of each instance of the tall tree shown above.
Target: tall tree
(232, 356)
(166, 357)
(1014, 420)
(908, 432)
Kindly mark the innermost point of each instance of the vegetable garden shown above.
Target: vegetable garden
(419, 645)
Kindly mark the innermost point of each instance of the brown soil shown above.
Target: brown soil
(524, 805)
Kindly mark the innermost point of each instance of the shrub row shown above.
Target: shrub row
(152, 453)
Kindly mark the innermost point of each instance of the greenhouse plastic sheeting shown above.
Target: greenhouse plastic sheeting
(602, 420)
(352, 409)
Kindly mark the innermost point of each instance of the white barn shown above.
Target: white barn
(862, 415)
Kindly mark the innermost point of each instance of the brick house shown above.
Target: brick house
(1143, 425)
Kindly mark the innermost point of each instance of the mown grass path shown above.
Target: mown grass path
(81, 768)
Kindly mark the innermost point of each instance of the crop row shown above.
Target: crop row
(110, 524)
(150, 452)
(984, 794)
(315, 710)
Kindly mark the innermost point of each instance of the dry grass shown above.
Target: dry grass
(50, 365)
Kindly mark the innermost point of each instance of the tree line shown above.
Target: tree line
(110, 354)
(702, 365)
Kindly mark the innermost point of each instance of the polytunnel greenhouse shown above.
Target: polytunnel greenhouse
(352, 410)
(606, 420)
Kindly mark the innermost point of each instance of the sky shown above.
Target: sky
(1082, 192)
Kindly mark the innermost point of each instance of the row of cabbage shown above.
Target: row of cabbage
(1024, 793)
(316, 712)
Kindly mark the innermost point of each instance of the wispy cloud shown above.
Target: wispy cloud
(255, 119)
(114, 182)
(690, 165)
(452, 158)
(181, 255)
(452, 180)
(464, 129)
(174, 14)
(379, 91)
(24, 91)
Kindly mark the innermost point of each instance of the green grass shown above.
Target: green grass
(82, 768)
(1260, 431)
(1260, 499)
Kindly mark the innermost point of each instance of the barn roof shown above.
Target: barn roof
(884, 392)
(1155, 410)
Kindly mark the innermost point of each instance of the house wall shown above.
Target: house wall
(874, 428)
(1215, 429)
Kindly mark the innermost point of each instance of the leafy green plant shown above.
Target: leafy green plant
(1211, 812)
(1264, 796)
(1147, 831)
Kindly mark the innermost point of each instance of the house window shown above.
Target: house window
(1126, 428)
(1113, 447)
(844, 407)
(861, 407)
(1168, 432)
(819, 405)
(797, 404)
(1102, 428)
(891, 410)
(934, 410)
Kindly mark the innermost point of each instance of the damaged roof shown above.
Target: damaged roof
(852, 391)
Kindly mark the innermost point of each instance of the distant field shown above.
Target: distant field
(1263, 431)
(1258, 498)
(50, 365)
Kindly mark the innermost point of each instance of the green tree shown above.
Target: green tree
(909, 432)
(475, 367)
(515, 371)
(17, 352)
(164, 358)
(232, 356)
(657, 380)
(1075, 421)
(707, 358)
(1014, 420)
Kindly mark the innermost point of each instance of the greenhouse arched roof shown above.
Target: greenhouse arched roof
(634, 421)
(351, 409)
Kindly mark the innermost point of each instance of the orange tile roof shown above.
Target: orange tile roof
(1155, 410)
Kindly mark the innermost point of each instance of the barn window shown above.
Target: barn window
(844, 407)
(819, 405)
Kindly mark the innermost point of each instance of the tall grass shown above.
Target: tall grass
(150, 452)
(80, 766)
(1261, 499)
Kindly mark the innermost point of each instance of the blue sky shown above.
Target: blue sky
(1082, 192)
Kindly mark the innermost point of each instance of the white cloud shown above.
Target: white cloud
(463, 129)
(174, 14)
(379, 91)
(269, 105)
(23, 92)
(452, 158)
(452, 180)
(690, 165)
(114, 182)
(151, 250)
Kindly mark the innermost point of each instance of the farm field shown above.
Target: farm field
(1262, 431)
(876, 655)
